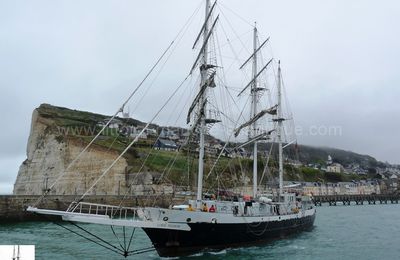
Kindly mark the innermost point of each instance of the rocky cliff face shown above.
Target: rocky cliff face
(49, 153)
(52, 147)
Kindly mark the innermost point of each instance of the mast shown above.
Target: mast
(279, 130)
(18, 254)
(203, 75)
(253, 134)
(14, 257)
(254, 111)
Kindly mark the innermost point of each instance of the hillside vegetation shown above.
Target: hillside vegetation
(180, 167)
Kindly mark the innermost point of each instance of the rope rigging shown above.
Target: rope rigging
(61, 175)
(228, 108)
(91, 237)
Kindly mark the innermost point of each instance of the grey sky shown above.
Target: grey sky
(340, 58)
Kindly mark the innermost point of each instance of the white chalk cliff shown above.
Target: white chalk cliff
(51, 149)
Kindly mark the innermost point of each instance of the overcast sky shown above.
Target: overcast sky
(341, 61)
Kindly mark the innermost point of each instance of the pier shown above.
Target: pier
(356, 199)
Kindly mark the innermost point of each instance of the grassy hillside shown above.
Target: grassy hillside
(180, 167)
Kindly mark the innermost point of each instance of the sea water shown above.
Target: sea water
(340, 232)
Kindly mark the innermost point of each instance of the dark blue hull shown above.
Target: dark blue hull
(208, 236)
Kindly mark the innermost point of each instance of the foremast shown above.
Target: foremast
(201, 114)
(207, 74)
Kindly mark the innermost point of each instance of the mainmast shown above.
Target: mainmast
(254, 111)
(254, 135)
(203, 75)
(279, 130)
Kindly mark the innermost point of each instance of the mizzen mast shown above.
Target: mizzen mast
(279, 130)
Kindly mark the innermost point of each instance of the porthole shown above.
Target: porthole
(188, 219)
(165, 218)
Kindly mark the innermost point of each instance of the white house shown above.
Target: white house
(114, 124)
(335, 167)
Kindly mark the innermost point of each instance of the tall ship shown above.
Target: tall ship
(215, 219)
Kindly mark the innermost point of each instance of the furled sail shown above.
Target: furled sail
(210, 82)
(271, 111)
(256, 138)
(197, 122)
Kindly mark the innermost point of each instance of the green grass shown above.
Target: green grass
(176, 165)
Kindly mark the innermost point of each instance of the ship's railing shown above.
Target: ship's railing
(114, 212)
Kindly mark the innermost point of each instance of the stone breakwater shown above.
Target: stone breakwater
(13, 207)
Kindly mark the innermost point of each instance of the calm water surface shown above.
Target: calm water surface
(342, 232)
